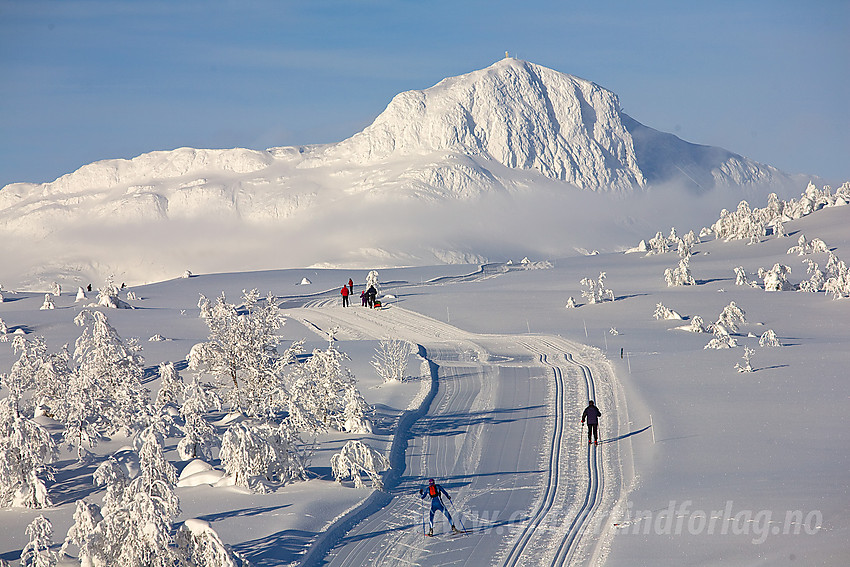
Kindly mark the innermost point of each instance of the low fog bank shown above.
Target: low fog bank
(542, 223)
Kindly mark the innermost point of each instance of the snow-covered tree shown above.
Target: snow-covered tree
(390, 360)
(372, 280)
(571, 303)
(680, 275)
(657, 244)
(201, 546)
(242, 349)
(816, 280)
(26, 449)
(769, 339)
(137, 517)
(81, 295)
(170, 387)
(355, 459)
(596, 291)
(112, 370)
(731, 317)
(254, 454)
(746, 366)
(662, 312)
(48, 302)
(697, 325)
(740, 276)
(37, 552)
(199, 435)
(56, 289)
(86, 517)
(776, 279)
(838, 280)
(722, 339)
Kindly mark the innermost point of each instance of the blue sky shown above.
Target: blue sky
(87, 80)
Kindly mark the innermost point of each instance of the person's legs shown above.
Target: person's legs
(594, 428)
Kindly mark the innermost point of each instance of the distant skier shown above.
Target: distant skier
(371, 294)
(436, 493)
(363, 298)
(350, 286)
(592, 414)
(344, 292)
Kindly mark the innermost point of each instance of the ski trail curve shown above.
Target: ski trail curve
(548, 495)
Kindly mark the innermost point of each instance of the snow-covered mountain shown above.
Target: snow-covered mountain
(486, 139)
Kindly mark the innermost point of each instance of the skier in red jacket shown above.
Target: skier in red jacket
(344, 292)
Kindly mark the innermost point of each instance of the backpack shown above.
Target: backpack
(432, 491)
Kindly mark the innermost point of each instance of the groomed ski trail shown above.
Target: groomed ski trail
(502, 434)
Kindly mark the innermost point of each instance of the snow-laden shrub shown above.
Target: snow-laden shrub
(740, 276)
(731, 317)
(107, 296)
(662, 312)
(696, 325)
(680, 275)
(390, 360)
(571, 303)
(769, 339)
(48, 302)
(838, 280)
(254, 454)
(201, 546)
(38, 553)
(81, 295)
(356, 459)
(596, 291)
(657, 244)
(56, 289)
(746, 366)
(722, 339)
(776, 279)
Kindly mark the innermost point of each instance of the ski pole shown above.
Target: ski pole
(458, 515)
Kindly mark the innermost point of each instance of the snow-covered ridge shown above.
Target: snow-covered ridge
(493, 140)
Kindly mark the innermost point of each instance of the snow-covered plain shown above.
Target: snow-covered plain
(737, 468)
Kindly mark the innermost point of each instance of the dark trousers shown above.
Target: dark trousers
(593, 429)
(345, 301)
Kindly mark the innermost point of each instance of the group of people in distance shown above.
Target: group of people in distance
(368, 297)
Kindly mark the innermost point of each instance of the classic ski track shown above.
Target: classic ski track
(415, 327)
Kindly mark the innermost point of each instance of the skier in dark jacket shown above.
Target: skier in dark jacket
(591, 413)
(371, 294)
(436, 493)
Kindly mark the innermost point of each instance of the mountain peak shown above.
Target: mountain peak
(518, 114)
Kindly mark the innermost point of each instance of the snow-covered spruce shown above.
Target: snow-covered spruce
(722, 339)
(356, 459)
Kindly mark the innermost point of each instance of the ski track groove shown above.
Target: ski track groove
(459, 395)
